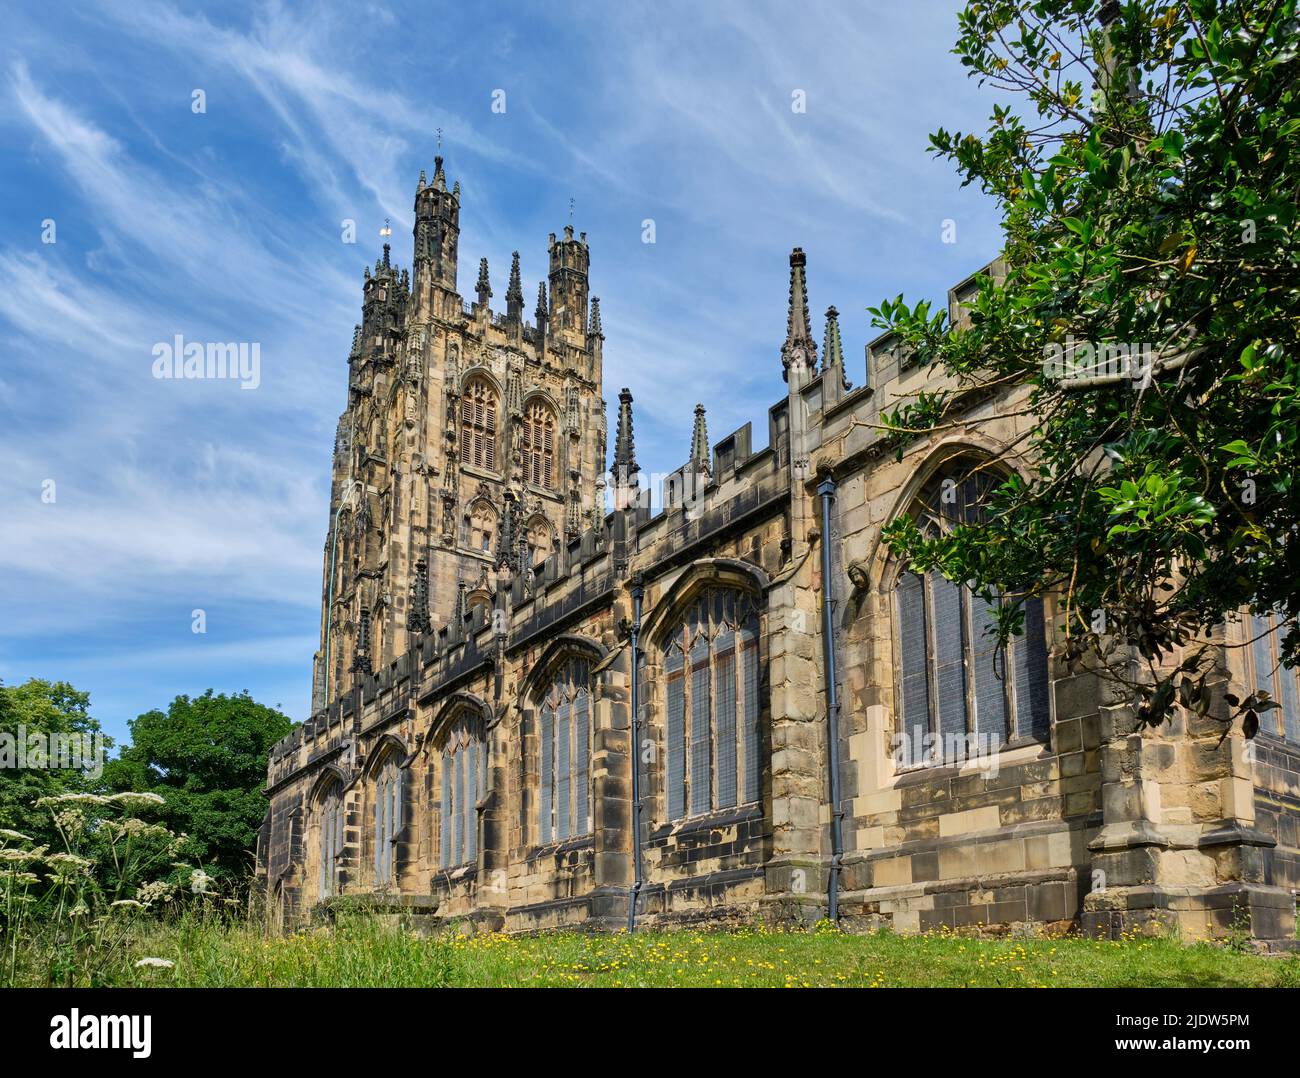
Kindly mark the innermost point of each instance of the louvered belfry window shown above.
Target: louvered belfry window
(539, 445)
(564, 751)
(464, 782)
(478, 425)
(712, 706)
(1265, 673)
(958, 694)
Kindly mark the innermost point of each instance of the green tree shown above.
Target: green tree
(39, 711)
(1149, 317)
(206, 757)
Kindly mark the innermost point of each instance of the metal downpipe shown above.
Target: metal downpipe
(826, 491)
(638, 591)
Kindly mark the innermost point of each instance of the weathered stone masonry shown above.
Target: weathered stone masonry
(469, 756)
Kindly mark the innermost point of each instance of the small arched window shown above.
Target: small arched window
(478, 425)
(539, 445)
(387, 820)
(330, 838)
(540, 540)
(712, 705)
(960, 696)
(464, 781)
(476, 602)
(564, 749)
(480, 527)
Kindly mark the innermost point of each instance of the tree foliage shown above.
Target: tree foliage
(38, 711)
(206, 757)
(1148, 193)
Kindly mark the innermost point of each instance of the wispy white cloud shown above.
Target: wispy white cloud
(41, 300)
(184, 226)
(343, 133)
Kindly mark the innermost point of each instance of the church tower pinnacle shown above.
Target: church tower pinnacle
(700, 443)
(514, 291)
(569, 260)
(436, 232)
(799, 349)
(834, 380)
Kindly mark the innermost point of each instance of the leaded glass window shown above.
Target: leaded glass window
(330, 838)
(959, 695)
(387, 820)
(564, 750)
(464, 782)
(712, 706)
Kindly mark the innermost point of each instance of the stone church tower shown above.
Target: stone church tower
(471, 446)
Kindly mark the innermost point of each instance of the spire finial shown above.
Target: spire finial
(625, 465)
(832, 348)
(506, 541)
(439, 177)
(700, 443)
(417, 618)
(593, 322)
(483, 287)
(514, 290)
(540, 313)
(799, 347)
(361, 657)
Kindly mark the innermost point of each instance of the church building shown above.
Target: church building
(543, 699)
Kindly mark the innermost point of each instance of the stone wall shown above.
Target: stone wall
(1277, 809)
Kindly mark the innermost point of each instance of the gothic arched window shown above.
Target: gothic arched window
(464, 781)
(959, 695)
(712, 706)
(478, 425)
(564, 749)
(387, 819)
(330, 838)
(539, 445)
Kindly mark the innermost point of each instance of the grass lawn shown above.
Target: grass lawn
(364, 954)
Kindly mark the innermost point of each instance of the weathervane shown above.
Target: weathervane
(440, 138)
(570, 207)
(386, 230)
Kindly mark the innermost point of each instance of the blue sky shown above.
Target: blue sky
(172, 496)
